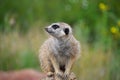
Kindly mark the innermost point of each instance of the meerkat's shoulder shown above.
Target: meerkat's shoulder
(47, 42)
(74, 40)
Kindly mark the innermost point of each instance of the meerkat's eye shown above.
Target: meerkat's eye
(55, 26)
(66, 30)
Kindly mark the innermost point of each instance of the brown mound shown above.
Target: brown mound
(28, 74)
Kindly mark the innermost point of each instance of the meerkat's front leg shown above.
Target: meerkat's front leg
(68, 67)
(56, 67)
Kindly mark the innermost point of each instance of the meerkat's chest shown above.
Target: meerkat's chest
(63, 50)
(63, 54)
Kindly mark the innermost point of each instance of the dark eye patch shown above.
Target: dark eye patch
(55, 26)
(66, 30)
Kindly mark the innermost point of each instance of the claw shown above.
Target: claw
(59, 76)
(50, 74)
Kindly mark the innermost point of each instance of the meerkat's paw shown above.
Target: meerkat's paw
(59, 76)
(66, 77)
(72, 76)
(50, 74)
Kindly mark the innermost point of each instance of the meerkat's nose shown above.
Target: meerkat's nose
(46, 29)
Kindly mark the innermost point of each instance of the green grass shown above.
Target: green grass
(19, 51)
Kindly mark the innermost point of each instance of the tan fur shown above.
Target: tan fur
(58, 53)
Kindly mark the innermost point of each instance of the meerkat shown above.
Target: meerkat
(60, 51)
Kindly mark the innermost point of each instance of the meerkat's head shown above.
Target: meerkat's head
(59, 30)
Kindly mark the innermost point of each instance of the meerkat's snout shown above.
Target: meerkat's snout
(52, 28)
(49, 30)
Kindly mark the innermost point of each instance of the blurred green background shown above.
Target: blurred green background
(95, 23)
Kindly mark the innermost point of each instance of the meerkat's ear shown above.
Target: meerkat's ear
(66, 30)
